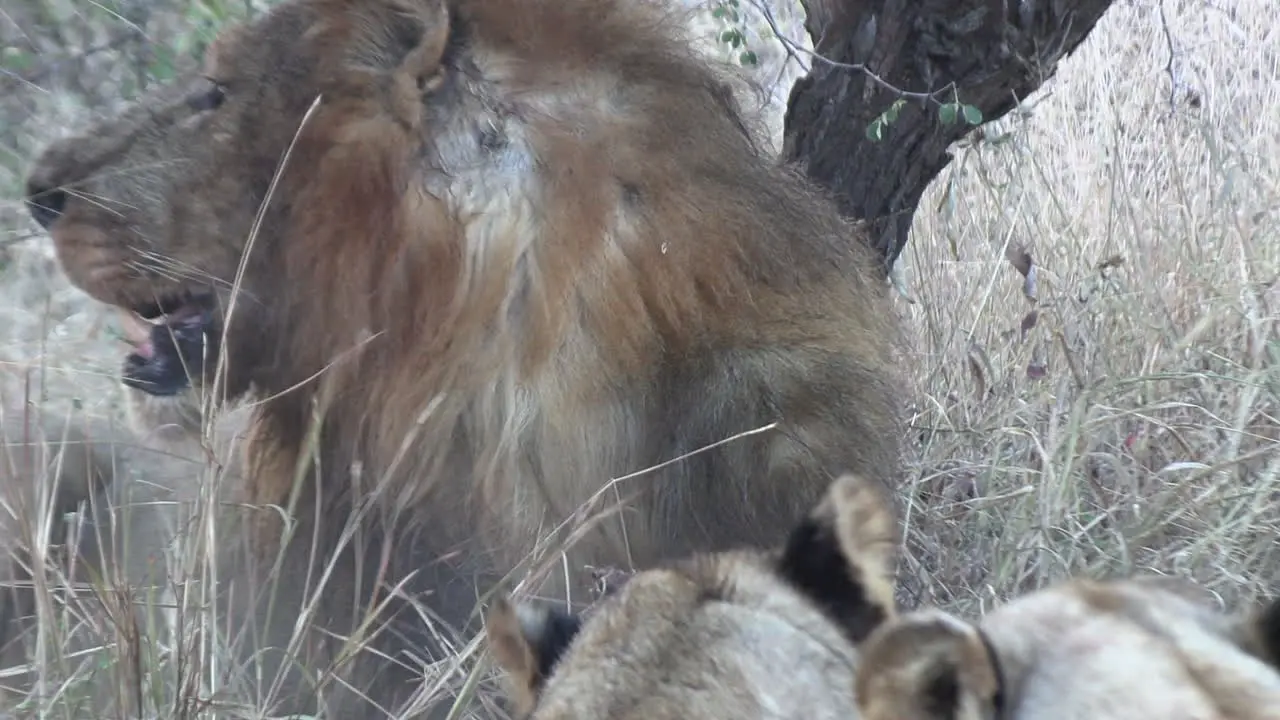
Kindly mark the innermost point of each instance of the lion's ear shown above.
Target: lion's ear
(526, 641)
(842, 555)
(1259, 632)
(1267, 622)
(394, 54)
(405, 38)
(927, 666)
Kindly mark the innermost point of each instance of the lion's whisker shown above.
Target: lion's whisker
(97, 202)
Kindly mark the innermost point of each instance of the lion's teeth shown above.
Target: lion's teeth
(136, 328)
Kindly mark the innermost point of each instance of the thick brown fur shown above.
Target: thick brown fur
(517, 248)
(1110, 650)
(738, 635)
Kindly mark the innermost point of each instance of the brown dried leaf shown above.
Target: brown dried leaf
(1019, 258)
(1029, 322)
(980, 368)
(1114, 261)
(962, 488)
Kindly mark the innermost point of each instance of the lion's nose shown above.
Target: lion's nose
(45, 202)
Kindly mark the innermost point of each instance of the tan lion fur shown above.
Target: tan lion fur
(516, 248)
(1146, 647)
(739, 635)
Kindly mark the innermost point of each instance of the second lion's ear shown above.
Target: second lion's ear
(1267, 625)
(841, 556)
(526, 641)
(1258, 632)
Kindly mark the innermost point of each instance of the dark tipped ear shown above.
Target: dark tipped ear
(526, 642)
(1269, 630)
(927, 666)
(1259, 633)
(842, 555)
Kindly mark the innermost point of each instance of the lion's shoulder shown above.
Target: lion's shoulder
(1133, 647)
(743, 633)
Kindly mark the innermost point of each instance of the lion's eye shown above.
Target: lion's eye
(208, 99)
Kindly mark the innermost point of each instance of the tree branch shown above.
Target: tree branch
(987, 53)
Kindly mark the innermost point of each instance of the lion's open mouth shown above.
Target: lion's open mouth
(174, 339)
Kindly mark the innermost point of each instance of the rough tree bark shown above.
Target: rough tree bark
(994, 53)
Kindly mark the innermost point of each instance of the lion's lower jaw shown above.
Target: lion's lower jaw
(170, 418)
(149, 414)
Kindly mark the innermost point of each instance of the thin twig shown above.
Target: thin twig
(1168, 67)
(793, 49)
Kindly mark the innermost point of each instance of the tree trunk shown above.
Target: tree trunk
(990, 54)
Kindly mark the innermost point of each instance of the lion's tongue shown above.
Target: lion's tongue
(137, 332)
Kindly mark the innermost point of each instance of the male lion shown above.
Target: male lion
(1146, 647)
(737, 634)
(494, 253)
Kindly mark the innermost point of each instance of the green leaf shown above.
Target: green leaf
(718, 13)
(14, 60)
(162, 66)
(748, 58)
(972, 115)
(210, 10)
(875, 131)
(947, 113)
(732, 37)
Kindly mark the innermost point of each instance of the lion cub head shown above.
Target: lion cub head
(740, 634)
(1147, 647)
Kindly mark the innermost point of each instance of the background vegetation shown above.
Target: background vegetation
(1090, 290)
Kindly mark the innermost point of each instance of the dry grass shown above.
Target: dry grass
(1150, 442)
(1134, 426)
